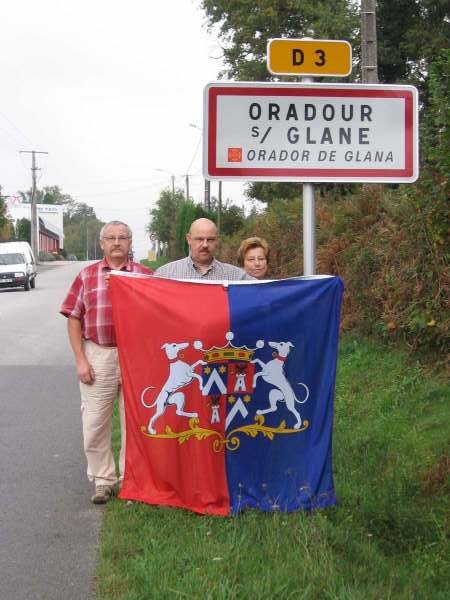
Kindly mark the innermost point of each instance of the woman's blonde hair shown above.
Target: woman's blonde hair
(249, 244)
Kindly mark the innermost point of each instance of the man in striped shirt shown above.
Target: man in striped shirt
(91, 334)
(201, 262)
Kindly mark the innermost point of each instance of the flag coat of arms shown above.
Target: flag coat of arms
(229, 391)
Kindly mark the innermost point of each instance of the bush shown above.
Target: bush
(154, 264)
(395, 273)
(46, 256)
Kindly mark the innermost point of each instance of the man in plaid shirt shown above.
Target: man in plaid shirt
(92, 337)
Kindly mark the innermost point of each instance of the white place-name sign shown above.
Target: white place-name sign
(310, 132)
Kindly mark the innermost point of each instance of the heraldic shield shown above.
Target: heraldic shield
(228, 379)
(220, 417)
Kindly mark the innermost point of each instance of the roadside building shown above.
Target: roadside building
(50, 219)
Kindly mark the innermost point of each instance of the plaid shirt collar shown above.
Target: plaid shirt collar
(105, 266)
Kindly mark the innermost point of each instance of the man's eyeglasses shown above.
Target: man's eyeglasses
(208, 240)
(114, 238)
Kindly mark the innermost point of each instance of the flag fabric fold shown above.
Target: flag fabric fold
(229, 391)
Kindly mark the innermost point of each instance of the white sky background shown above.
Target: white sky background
(108, 89)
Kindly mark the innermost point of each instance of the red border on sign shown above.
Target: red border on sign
(406, 95)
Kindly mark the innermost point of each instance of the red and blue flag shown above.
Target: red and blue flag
(229, 391)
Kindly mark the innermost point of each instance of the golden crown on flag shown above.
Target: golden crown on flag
(229, 351)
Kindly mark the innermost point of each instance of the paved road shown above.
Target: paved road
(48, 527)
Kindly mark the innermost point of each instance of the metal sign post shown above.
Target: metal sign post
(309, 222)
(309, 230)
(308, 57)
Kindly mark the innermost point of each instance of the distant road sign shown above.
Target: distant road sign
(316, 58)
(310, 132)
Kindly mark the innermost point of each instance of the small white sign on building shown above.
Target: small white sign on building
(310, 132)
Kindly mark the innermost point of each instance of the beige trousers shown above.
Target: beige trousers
(97, 402)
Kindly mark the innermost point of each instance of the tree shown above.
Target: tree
(430, 195)
(81, 226)
(6, 228)
(82, 239)
(81, 230)
(26, 196)
(23, 230)
(187, 213)
(172, 218)
(163, 220)
(48, 195)
(54, 195)
(266, 192)
(232, 219)
(410, 34)
(245, 27)
(78, 212)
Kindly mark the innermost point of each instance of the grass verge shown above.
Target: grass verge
(154, 264)
(387, 537)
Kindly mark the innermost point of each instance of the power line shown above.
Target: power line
(136, 189)
(16, 128)
(195, 154)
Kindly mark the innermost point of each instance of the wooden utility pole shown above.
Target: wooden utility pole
(369, 58)
(187, 187)
(172, 177)
(34, 218)
(369, 62)
(207, 194)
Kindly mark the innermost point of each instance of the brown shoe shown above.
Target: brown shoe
(102, 494)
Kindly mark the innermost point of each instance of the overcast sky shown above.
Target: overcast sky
(108, 88)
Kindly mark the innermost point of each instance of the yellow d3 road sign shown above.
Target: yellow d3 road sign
(315, 58)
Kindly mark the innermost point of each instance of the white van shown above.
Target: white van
(17, 265)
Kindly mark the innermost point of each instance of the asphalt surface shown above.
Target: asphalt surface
(48, 527)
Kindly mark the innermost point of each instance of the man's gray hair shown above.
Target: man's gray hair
(127, 227)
